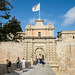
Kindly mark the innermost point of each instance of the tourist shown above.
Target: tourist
(8, 66)
(36, 61)
(43, 62)
(18, 64)
(23, 64)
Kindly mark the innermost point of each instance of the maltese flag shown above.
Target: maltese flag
(36, 8)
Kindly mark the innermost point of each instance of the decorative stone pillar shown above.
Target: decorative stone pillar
(26, 51)
(34, 52)
(30, 50)
(54, 56)
(48, 52)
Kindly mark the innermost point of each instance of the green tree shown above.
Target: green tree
(1, 31)
(12, 27)
(5, 7)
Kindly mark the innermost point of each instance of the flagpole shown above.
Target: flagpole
(39, 14)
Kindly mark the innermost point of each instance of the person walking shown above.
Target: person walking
(36, 62)
(23, 64)
(18, 64)
(43, 62)
(8, 66)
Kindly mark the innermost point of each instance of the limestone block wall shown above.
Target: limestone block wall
(10, 51)
(28, 46)
(66, 57)
(44, 32)
(68, 37)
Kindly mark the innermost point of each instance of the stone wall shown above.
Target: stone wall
(65, 54)
(11, 51)
(66, 57)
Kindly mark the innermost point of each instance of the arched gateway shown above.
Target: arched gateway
(39, 42)
(40, 53)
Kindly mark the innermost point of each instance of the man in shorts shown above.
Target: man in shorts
(23, 64)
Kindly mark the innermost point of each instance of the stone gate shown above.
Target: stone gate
(39, 41)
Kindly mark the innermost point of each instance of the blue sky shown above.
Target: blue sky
(60, 13)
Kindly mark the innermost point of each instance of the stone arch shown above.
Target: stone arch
(40, 53)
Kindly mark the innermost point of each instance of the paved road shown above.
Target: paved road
(34, 70)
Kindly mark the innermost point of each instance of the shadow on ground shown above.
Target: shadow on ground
(26, 71)
(30, 68)
(12, 73)
(3, 68)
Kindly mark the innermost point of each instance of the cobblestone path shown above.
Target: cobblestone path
(34, 70)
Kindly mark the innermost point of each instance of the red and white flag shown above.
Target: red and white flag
(36, 8)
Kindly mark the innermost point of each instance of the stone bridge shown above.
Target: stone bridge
(38, 69)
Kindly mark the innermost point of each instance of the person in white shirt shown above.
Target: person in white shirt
(23, 64)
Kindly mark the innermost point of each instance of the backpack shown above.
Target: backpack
(18, 61)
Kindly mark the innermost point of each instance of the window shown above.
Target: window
(73, 37)
(39, 34)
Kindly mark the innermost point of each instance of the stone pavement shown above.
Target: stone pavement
(34, 70)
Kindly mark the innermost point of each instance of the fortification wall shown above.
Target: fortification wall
(65, 52)
(66, 57)
(11, 51)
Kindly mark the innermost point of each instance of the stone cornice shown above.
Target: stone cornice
(39, 20)
(68, 33)
(39, 28)
(31, 37)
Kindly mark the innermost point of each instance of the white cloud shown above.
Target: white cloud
(49, 22)
(69, 17)
(32, 21)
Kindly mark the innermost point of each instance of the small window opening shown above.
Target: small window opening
(73, 37)
(39, 34)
